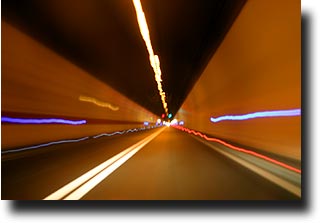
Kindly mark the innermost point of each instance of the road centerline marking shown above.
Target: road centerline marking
(103, 168)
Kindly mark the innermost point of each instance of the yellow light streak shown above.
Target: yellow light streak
(98, 103)
(154, 59)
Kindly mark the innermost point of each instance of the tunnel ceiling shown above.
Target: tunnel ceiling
(103, 38)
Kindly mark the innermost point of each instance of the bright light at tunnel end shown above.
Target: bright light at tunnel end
(261, 114)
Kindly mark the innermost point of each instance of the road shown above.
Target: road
(172, 165)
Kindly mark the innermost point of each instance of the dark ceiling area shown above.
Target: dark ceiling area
(103, 38)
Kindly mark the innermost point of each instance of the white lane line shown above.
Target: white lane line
(89, 185)
(73, 185)
(269, 176)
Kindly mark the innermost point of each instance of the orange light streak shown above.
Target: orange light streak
(154, 59)
(190, 131)
(98, 103)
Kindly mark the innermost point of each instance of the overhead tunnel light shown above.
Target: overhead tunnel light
(154, 59)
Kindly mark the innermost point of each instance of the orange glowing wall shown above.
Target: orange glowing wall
(256, 68)
(36, 80)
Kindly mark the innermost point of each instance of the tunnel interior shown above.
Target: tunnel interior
(82, 81)
(102, 37)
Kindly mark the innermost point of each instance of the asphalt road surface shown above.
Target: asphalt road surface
(168, 165)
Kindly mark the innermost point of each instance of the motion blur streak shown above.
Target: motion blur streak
(264, 74)
(73, 140)
(110, 134)
(43, 145)
(41, 121)
(27, 66)
(122, 132)
(262, 114)
(98, 103)
(238, 148)
(154, 59)
(98, 173)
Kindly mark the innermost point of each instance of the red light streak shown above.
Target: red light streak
(190, 131)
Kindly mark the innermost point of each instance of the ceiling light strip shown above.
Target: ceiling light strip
(154, 59)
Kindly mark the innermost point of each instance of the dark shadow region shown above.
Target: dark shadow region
(156, 206)
(305, 110)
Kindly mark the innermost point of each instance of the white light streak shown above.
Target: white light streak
(77, 188)
(154, 59)
(43, 145)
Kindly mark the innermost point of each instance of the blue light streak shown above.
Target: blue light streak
(122, 132)
(75, 140)
(41, 121)
(262, 114)
(132, 130)
(109, 134)
(43, 145)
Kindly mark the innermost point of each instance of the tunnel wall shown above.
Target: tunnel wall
(256, 68)
(38, 83)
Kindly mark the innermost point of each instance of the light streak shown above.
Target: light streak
(132, 130)
(190, 131)
(77, 188)
(98, 103)
(261, 114)
(41, 121)
(73, 140)
(109, 134)
(43, 145)
(154, 59)
(122, 132)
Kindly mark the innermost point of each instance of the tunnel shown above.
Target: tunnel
(151, 100)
